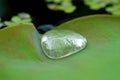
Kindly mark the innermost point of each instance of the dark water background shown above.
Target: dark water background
(41, 14)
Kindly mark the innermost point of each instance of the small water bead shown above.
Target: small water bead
(58, 44)
(24, 15)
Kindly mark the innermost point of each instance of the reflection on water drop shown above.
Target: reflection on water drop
(58, 44)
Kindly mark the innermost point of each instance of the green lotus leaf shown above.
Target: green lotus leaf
(21, 57)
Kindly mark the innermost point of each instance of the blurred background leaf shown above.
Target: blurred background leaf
(68, 7)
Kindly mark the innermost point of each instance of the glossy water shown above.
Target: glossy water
(58, 44)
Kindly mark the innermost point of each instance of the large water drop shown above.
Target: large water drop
(58, 44)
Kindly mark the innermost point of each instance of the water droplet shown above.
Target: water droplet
(58, 44)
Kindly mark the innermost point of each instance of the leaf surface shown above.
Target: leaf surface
(22, 58)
